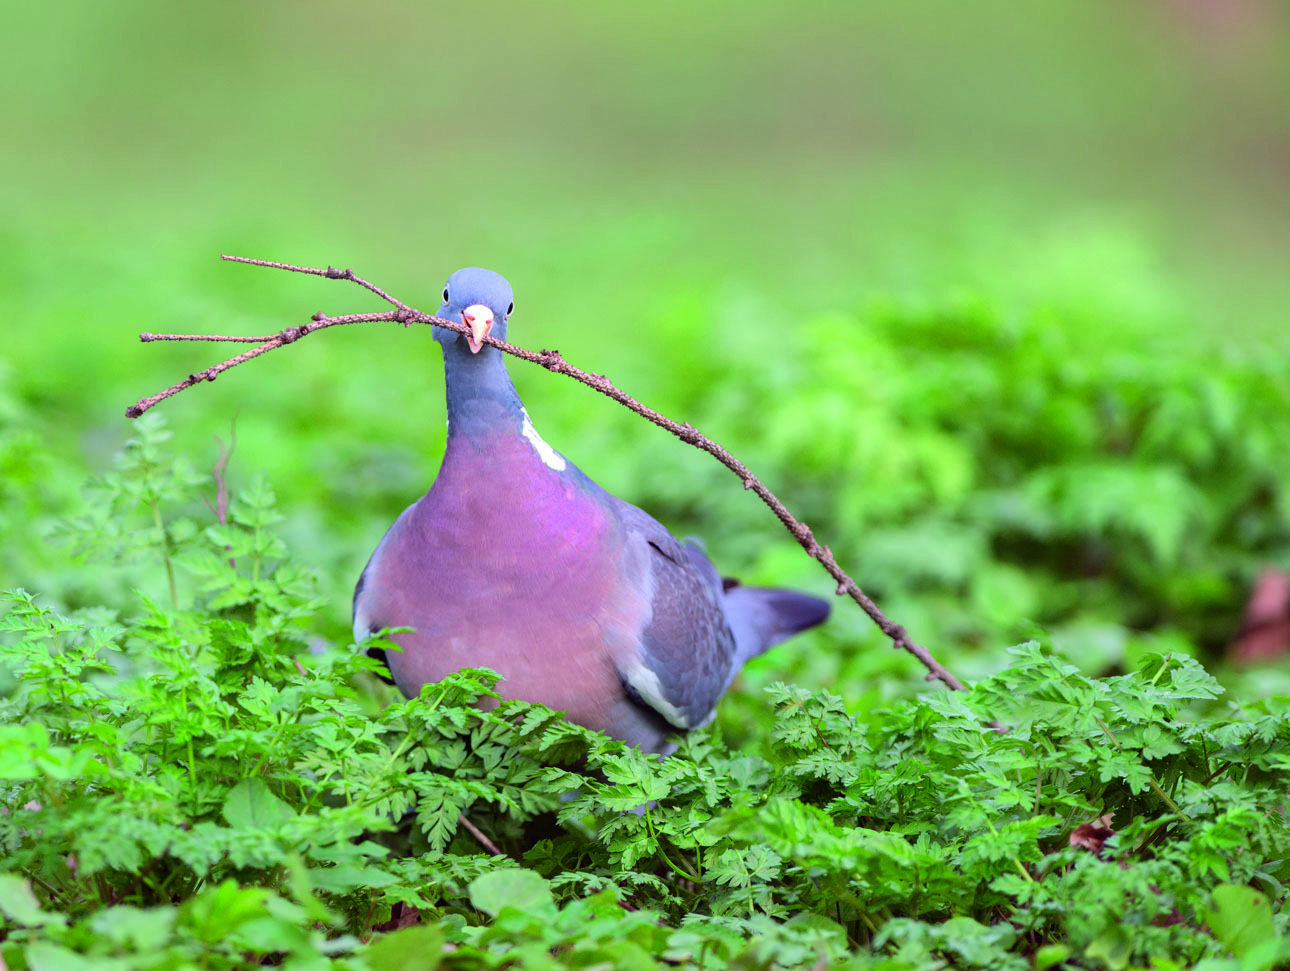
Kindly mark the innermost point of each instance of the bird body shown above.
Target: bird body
(517, 561)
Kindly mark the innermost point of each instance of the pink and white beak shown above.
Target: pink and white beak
(480, 321)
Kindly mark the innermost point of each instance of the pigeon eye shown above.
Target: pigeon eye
(445, 294)
(511, 309)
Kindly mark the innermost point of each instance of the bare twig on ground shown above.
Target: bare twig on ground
(552, 361)
(480, 838)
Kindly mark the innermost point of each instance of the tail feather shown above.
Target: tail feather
(761, 617)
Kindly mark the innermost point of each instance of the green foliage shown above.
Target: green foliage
(922, 321)
(200, 784)
(1078, 467)
(996, 470)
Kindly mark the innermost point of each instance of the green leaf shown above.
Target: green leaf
(512, 887)
(19, 904)
(19, 747)
(126, 926)
(1051, 954)
(413, 947)
(251, 806)
(1240, 917)
(270, 934)
(217, 912)
(1114, 948)
(44, 956)
(347, 877)
(635, 779)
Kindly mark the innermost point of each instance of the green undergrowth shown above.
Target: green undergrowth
(1057, 453)
(983, 463)
(197, 782)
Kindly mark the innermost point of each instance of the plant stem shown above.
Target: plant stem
(1163, 668)
(649, 826)
(680, 872)
(165, 554)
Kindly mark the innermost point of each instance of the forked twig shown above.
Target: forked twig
(552, 361)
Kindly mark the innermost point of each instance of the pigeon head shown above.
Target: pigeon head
(480, 299)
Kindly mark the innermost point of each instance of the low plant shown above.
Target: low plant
(197, 783)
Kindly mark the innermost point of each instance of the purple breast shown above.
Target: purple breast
(507, 564)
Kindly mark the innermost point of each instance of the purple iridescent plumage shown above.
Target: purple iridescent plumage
(516, 561)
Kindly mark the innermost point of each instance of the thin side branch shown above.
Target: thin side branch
(147, 338)
(272, 343)
(552, 361)
(331, 273)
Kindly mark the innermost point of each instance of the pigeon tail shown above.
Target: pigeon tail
(761, 617)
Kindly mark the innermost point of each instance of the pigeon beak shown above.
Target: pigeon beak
(480, 321)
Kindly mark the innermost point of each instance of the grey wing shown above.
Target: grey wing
(686, 653)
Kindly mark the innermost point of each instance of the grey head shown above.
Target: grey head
(480, 299)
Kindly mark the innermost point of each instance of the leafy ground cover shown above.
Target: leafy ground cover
(979, 295)
(197, 780)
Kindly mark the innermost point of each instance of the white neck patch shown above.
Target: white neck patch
(550, 457)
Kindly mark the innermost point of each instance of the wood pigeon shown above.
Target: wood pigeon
(516, 561)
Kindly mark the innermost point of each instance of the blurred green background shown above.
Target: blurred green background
(993, 298)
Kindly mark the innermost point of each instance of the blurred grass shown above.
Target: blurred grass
(695, 202)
